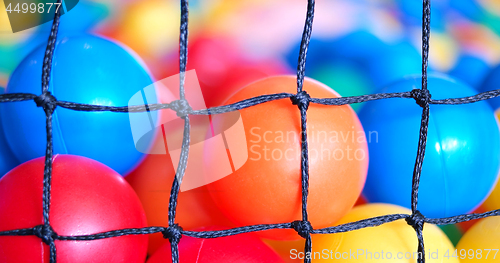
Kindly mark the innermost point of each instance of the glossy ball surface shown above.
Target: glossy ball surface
(266, 189)
(86, 69)
(391, 242)
(480, 242)
(87, 198)
(462, 142)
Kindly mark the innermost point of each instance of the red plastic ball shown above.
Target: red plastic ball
(243, 248)
(466, 225)
(222, 67)
(87, 198)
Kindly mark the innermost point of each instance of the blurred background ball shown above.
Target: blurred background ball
(492, 82)
(359, 62)
(470, 69)
(87, 198)
(150, 27)
(461, 159)
(86, 69)
(222, 67)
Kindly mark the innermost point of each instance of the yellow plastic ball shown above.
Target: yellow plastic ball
(481, 243)
(150, 27)
(444, 52)
(493, 201)
(392, 242)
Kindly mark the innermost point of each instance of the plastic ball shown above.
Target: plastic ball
(471, 70)
(470, 9)
(358, 63)
(346, 78)
(391, 242)
(361, 201)
(82, 17)
(466, 225)
(453, 232)
(491, 82)
(412, 13)
(481, 242)
(242, 248)
(356, 48)
(394, 62)
(151, 27)
(86, 69)
(493, 200)
(462, 141)
(222, 67)
(284, 247)
(266, 188)
(152, 181)
(87, 197)
(15, 46)
(7, 159)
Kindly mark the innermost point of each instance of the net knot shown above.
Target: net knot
(181, 107)
(173, 233)
(301, 99)
(416, 220)
(422, 97)
(47, 101)
(303, 228)
(45, 233)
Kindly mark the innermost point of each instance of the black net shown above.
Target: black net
(173, 232)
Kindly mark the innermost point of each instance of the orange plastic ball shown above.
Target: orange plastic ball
(266, 189)
(152, 181)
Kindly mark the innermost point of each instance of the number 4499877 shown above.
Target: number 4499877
(472, 254)
(33, 8)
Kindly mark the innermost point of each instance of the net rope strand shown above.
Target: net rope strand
(422, 97)
(173, 232)
(302, 99)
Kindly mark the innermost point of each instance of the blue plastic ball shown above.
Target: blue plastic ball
(394, 62)
(374, 62)
(461, 161)
(82, 18)
(356, 48)
(492, 82)
(471, 70)
(7, 159)
(412, 13)
(86, 69)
